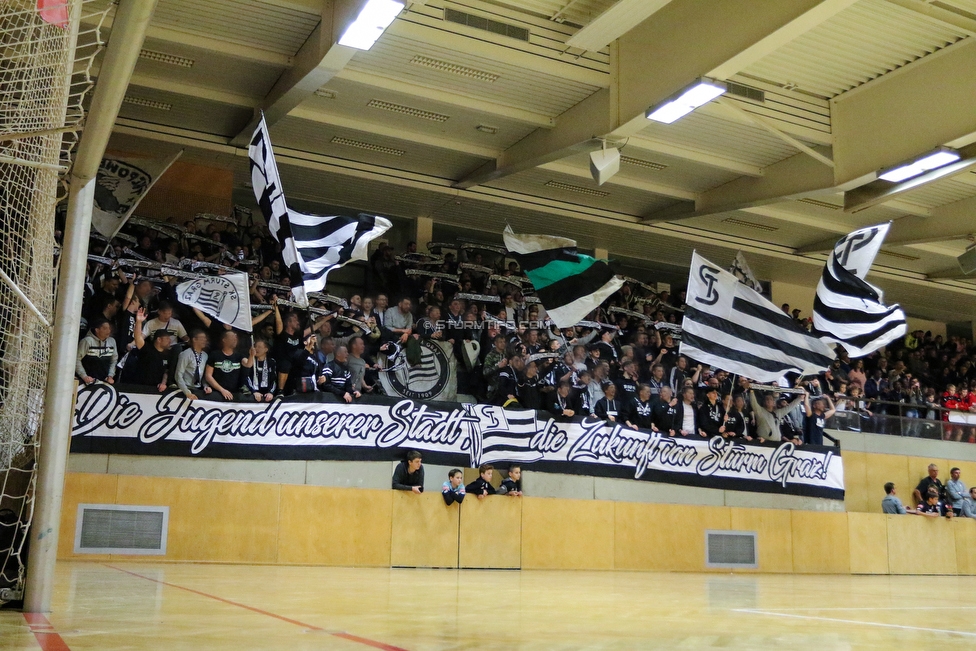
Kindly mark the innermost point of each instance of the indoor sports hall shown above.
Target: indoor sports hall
(427, 325)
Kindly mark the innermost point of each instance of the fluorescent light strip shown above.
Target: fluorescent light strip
(646, 164)
(367, 146)
(407, 110)
(162, 57)
(699, 94)
(453, 68)
(741, 222)
(148, 103)
(374, 18)
(578, 189)
(934, 160)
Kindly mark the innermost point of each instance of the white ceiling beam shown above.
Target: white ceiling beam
(691, 38)
(685, 38)
(696, 156)
(623, 181)
(942, 14)
(243, 52)
(211, 145)
(793, 178)
(318, 61)
(819, 222)
(905, 113)
(199, 92)
(420, 138)
(446, 97)
(614, 23)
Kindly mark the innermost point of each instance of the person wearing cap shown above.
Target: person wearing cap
(711, 414)
(156, 363)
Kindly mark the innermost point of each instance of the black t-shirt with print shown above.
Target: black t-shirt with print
(227, 369)
(153, 364)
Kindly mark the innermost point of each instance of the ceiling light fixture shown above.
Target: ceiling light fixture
(698, 94)
(930, 161)
(374, 18)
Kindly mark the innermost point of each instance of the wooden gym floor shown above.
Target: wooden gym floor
(136, 606)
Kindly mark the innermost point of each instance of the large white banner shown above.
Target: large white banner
(225, 298)
(109, 421)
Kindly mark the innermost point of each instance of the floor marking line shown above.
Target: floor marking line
(853, 621)
(793, 610)
(44, 632)
(346, 636)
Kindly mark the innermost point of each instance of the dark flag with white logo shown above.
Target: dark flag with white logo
(731, 326)
(121, 183)
(569, 284)
(848, 310)
(311, 245)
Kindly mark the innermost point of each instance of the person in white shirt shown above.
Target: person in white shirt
(166, 321)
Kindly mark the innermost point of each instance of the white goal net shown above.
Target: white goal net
(46, 48)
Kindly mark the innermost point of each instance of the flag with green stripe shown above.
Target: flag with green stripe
(569, 284)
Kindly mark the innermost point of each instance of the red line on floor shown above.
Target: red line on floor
(47, 638)
(346, 636)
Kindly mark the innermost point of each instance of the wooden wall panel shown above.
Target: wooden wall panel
(868, 542)
(964, 532)
(920, 545)
(226, 521)
(335, 526)
(490, 532)
(775, 536)
(821, 543)
(879, 470)
(665, 537)
(425, 531)
(567, 534)
(82, 488)
(857, 493)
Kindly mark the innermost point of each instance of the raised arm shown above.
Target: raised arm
(137, 331)
(206, 320)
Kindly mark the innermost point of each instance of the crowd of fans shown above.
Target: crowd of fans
(621, 365)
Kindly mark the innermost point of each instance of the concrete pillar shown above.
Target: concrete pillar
(423, 232)
(601, 254)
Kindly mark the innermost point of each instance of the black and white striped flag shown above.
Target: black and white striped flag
(731, 326)
(848, 310)
(311, 245)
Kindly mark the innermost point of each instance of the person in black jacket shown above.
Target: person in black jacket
(627, 383)
(735, 418)
(409, 474)
(561, 403)
(608, 407)
(481, 487)
(262, 380)
(637, 410)
(306, 374)
(711, 415)
(506, 383)
(665, 412)
(338, 378)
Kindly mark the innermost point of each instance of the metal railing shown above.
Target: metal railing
(903, 419)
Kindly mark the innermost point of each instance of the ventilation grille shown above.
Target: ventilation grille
(746, 92)
(735, 221)
(487, 25)
(368, 146)
(325, 94)
(148, 103)
(578, 189)
(731, 549)
(116, 529)
(408, 110)
(484, 128)
(640, 162)
(454, 68)
(162, 57)
(821, 204)
(900, 256)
